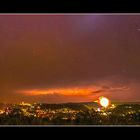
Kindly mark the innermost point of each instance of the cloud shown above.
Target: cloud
(88, 92)
(61, 91)
(97, 91)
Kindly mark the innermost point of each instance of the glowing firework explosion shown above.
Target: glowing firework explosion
(104, 101)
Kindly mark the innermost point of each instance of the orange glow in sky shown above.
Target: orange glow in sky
(60, 91)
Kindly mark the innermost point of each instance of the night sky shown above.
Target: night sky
(69, 58)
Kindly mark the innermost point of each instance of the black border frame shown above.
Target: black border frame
(69, 6)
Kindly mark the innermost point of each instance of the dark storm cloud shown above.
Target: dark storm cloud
(45, 51)
(98, 91)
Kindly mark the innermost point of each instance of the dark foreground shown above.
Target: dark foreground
(69, 114)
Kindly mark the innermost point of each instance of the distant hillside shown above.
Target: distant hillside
(125, 102)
